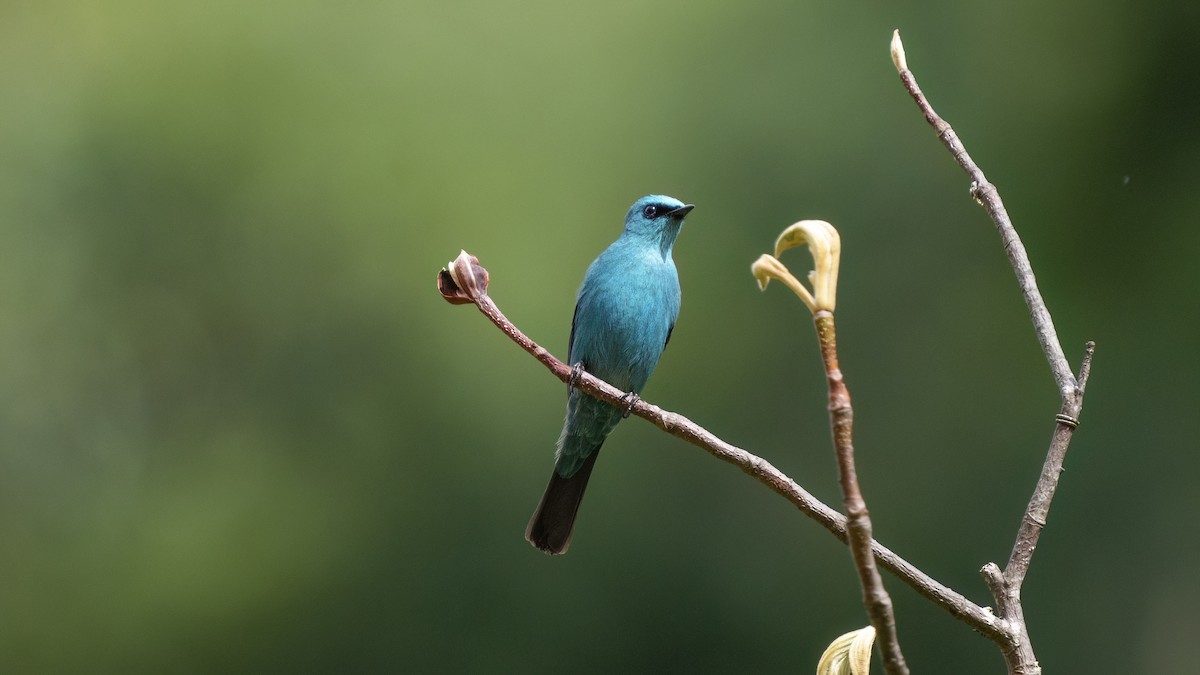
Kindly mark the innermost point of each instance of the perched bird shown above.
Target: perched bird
(624, 314)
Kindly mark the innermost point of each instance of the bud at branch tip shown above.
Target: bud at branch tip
(898, 57)
(849, 654)
(463, 280)
(825, 245)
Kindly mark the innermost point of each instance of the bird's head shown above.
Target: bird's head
(658, 217)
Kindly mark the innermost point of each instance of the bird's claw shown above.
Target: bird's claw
(576, 371)
(633, 398)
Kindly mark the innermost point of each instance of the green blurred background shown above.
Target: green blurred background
(240, 430)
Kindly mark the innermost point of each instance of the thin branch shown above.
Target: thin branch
(1006, 585)
(1038, 509)
(825, 245)
(469, 285)
(989, 198)
(841, 415)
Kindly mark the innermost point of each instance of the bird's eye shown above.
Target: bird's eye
(650, 211)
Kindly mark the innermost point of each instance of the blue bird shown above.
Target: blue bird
(624, 314)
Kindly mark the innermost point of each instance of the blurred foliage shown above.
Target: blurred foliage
(240, 431)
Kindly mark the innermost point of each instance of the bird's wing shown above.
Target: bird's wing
(571, 340)
(670, 329)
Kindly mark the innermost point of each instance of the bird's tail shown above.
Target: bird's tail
(552, 522)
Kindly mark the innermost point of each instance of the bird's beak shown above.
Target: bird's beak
(681, 211)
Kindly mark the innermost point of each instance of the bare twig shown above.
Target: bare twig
(858, 527)
(1039, 504)
(989, 198)
(457, 287)
(1006, 585)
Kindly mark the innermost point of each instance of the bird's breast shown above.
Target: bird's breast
(625, 315)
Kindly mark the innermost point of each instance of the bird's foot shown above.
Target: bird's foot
(633, 398)
(576, 371)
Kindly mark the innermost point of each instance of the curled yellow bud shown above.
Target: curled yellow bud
(768, 267)
(826, 248)
(850, 654)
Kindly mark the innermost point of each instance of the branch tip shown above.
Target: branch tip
(825, 244)
(1085, 366)
(848, 654)
(898, 57)
(994, 578)
(463, 280)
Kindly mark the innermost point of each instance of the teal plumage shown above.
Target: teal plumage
(624, 314)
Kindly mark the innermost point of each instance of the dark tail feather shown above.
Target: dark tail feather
(552, 522)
